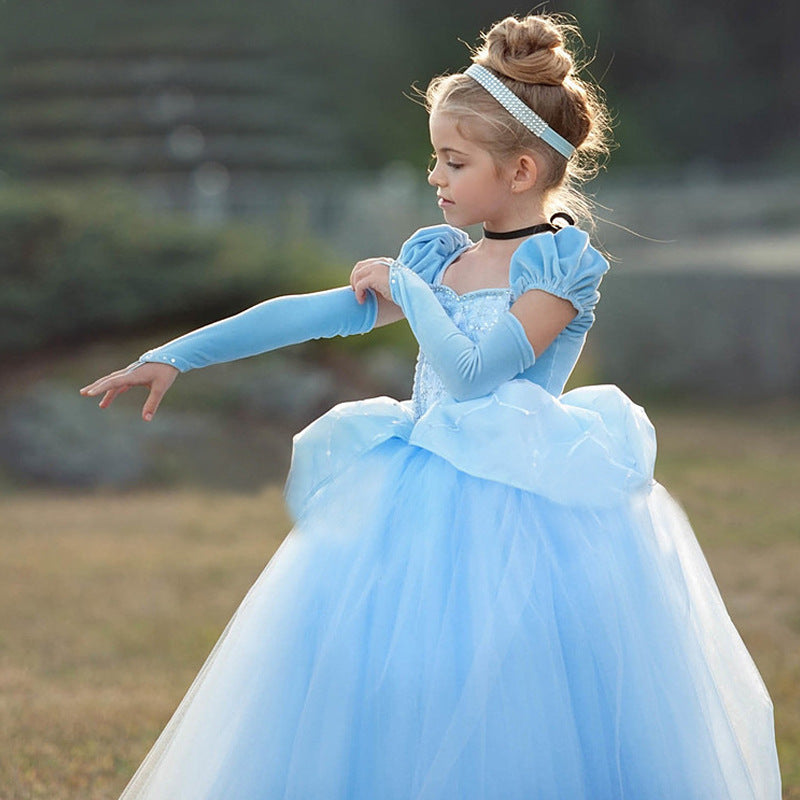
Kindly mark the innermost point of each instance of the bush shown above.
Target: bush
(81, 263)
(52, 436)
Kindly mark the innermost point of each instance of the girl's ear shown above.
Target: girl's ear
(524, 175)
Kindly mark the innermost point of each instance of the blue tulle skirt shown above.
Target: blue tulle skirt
(424, 633)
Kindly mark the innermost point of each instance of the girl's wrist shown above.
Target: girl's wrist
(135, 365)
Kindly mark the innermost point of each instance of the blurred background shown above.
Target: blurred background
(164, 164)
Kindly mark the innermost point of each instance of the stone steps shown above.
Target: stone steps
(145, 111)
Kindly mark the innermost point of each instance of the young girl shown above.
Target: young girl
(485, 593)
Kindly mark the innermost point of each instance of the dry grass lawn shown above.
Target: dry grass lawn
(111, 602)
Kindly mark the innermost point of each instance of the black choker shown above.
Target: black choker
(520, 232)
(540, 228)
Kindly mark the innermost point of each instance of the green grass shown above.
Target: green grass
(736, 468)
(112, 601)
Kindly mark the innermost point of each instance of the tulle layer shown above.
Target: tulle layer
(591, 446)
(427, 634)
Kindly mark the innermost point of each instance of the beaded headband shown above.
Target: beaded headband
(519, 110)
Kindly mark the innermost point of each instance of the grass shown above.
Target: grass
(736, 473)
(112, 601)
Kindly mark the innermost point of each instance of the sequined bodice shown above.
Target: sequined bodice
(472, 313)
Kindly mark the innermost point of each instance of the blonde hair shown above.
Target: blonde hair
(533, 57)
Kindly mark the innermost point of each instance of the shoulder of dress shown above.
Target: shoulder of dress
(441, 231)
(565, 260)
(428, 248)
(564, 264)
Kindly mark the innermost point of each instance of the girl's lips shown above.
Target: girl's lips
(442, 202)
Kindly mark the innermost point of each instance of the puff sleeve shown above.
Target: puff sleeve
(425, 251)
(564, 264)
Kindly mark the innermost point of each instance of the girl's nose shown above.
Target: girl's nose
(433, 176)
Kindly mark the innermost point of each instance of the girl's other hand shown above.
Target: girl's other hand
(372, 273)
(157, 377)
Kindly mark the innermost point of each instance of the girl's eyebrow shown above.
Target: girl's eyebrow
(452, 150)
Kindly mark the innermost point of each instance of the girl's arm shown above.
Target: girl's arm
(468, 368)
(275, 323)
(388, 312)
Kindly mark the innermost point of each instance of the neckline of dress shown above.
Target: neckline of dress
(484, 290)
(437, 281)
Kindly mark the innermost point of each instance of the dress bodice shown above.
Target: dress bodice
(475, 312)
(591, 445)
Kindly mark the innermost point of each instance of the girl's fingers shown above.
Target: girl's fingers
(111, 376)
(91, 389)
(119, 377)
(364, 276)
(376, 280)
(110, 382)
(157, 377)
(152, 403)
(362, 284)
(356, 276)
(104, 383)
(108, 398)
(111, 394)
(361, 270)
(95, 388)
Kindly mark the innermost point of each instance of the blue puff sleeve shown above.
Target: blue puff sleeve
(564, 264)
(425, 251)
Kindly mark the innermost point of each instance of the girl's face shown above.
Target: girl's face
(470, 188)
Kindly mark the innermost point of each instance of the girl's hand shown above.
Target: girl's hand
(158, 377)
(372, 273)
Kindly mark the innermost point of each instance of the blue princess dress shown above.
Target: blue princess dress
(489, 599)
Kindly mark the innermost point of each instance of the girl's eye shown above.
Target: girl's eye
(433, 160)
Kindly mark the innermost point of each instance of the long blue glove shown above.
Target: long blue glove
(275, 323)
(467, 369)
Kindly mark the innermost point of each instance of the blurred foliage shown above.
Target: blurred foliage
(87, 262)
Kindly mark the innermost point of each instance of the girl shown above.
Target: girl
(485, 593)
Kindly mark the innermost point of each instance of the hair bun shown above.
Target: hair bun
(530, 50)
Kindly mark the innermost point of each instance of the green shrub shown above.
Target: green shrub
(83, 263)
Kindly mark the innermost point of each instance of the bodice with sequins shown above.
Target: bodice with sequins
(472, 312)
(590, 445)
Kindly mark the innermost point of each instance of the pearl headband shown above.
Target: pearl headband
(519, 110)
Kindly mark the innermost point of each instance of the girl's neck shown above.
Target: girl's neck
(497, 249)
(519, 215)
(504, 248)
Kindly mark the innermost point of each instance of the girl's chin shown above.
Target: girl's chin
(452, 216)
